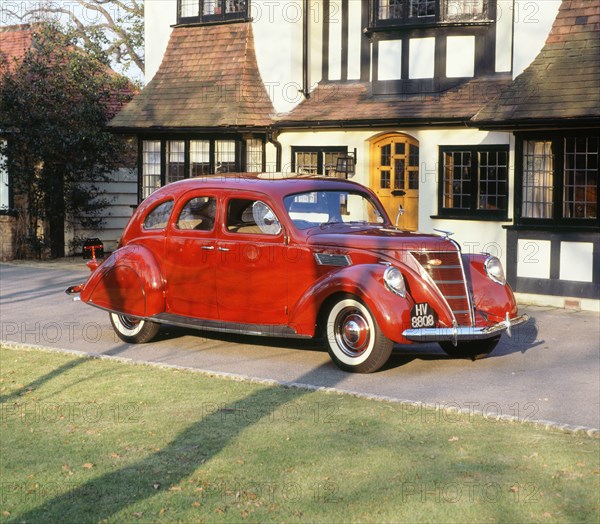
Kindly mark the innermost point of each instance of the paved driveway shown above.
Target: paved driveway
(550, 369)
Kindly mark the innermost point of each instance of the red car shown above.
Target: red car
(297, 257)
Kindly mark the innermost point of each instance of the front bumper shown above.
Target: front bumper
(457, 334)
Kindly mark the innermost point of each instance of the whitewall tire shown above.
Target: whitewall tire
(133, 330)
(354, 340)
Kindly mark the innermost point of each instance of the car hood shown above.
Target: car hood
(380, 239)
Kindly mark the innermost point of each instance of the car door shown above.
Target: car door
(190, 257)
(252, 263)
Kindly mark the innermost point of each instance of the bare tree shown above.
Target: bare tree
(117, 26)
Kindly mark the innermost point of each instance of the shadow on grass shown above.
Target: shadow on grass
(102, 497)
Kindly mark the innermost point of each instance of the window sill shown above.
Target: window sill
(477, 218)
(193, 22)
(391, 26)
(553, 227)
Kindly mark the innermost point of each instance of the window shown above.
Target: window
(410, 12)
(175, 161)
(165, 161)
(199, 157)
(474, 181)
(159, 216)
(226, 156)
(331, 207)
(316, 160)
(150, 167)
(254, 155)
(194, 11)
(198, 213)
(251, 217)
(559, 178)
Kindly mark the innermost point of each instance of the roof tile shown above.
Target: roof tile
(209, 77)
(563, 80)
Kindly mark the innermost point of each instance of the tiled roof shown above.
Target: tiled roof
(563, 82)
(15, 41)
(208, 78)
(352, 103)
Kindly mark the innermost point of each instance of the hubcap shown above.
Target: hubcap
(128, 322)
(352, 332)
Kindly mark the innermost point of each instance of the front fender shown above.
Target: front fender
(493, 299)
(129, 282)
(391, 311)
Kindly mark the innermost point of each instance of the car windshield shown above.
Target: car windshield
(323, 208)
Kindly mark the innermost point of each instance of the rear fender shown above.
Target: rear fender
(391, 311)
(129, 282)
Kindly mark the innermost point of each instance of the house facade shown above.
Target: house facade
(412, 93)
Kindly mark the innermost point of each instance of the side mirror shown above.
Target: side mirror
(400, 213)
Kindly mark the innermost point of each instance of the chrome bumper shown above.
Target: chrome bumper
(457, 333)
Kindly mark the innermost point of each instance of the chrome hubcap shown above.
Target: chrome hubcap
(128, 322)
(352, 332)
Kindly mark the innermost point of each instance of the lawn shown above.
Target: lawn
(87, 440)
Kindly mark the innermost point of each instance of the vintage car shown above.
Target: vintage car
(297, 257)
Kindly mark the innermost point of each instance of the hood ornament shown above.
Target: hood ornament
(447, 234)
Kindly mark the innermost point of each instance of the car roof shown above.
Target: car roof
(273, 184)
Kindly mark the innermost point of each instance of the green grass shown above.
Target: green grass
(86, 440)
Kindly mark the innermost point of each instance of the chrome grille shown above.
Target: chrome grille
(446, 270)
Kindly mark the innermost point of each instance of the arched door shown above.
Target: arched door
(395, 176)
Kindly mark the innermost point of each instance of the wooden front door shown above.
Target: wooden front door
(395, 177)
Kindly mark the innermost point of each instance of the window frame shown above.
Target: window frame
(222, 17)
(321, 151)
(558, 172)
(473, 213)
(438, 18)
(240, 156)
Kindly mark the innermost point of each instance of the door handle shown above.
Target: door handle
(223, 248)
(208, 248)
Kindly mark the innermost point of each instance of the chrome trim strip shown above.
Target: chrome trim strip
(456, 333)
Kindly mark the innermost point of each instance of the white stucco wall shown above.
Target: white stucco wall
(159, 15)
(532, 22)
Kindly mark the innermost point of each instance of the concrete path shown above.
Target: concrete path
(549, 370)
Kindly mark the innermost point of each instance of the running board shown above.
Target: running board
(259, 330)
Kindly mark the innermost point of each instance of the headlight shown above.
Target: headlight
(493, 268)
(394, 281)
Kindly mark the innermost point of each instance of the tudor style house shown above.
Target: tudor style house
(475, 116)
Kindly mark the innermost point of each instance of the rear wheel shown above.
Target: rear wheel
(354, 341)
(473, 349)
(133, 330)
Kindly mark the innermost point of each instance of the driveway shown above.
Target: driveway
(549, 370)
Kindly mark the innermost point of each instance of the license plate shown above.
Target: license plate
(423, 316)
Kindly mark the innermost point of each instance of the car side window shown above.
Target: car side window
(251, 217)
(159, 216)
(198, 213)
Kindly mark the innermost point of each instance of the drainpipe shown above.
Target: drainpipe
(305, 22)
(272, 138)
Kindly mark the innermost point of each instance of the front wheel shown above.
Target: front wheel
(473, 349)
(133, 330)
(354, 341)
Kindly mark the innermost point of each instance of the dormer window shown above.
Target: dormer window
(388, 13)
(211, 11)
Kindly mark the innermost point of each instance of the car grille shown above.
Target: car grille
(446, 270)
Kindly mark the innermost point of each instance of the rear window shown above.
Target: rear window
(159, 216)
